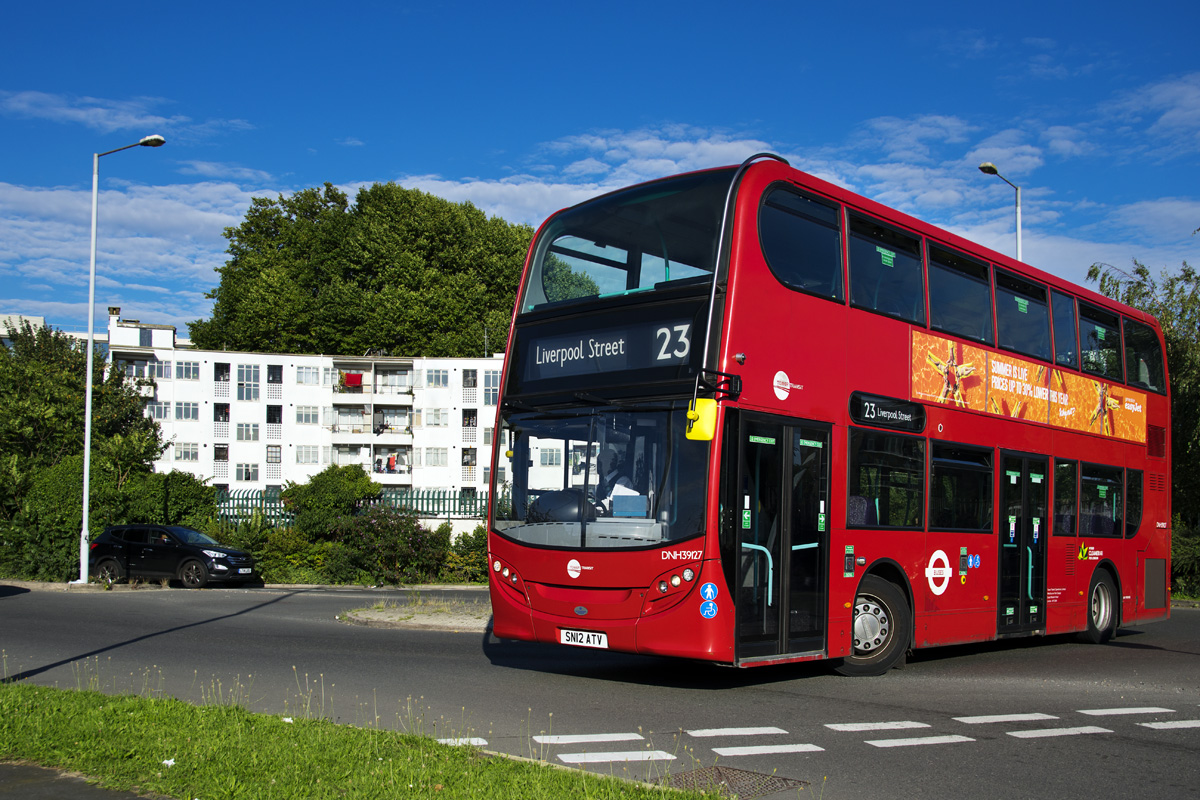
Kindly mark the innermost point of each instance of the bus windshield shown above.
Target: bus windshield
(599, 477)
(657, 236)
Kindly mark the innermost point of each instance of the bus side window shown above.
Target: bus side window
(886, 273)
(1101, 340)
(960, 488)
(1022, 316)
(1143, 357)
(1066, 337)
(960, 295)
(887, 480)
(1065, 490)
(1100, 511)
(801, 238)
(1133, 502)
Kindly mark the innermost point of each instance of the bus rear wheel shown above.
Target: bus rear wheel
(882, 628)
(1102, 611)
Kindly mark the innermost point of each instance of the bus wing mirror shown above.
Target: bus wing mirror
(702, 419)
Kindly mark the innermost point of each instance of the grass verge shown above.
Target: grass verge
(177, 749)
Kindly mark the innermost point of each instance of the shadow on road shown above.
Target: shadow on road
(10, 591)
(30, 673)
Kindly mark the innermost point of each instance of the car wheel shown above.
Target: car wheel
(882, 625)
(193, 574)
(109, 572)
(1102, 610)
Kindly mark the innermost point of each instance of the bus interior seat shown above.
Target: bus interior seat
(860, 511)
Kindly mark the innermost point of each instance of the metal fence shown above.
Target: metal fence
(241, 504)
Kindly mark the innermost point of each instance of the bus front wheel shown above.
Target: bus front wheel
(882, 628)
(1102, 610)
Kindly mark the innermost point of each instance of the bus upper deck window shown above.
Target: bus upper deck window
(885, 270)
(960, 295)
(1100, 340)
(1144, 356)
(802, 240)
(1066, 336)
(1022, 316)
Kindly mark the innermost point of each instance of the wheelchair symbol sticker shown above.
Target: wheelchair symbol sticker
(708, 609)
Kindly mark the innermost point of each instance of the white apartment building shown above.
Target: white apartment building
(259, 420)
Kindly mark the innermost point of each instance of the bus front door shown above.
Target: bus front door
(1023, 531)
(783, 534)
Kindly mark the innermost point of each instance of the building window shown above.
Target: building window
(220, 452)
(551, 457)
(437, 417)
(274, 373)
(134, 369)
(247, 472)
(145, 337)
(487, 435)
(221, 373)
(187, 411)
(187, 451)
(436, 456)
(437, 378)
(158, 410)
(187, 370)
(308, 415)
(274, 453)
(491, 387)
(274, 415)
(308, 376)
(470, 378)
(247, 431)
(160, 370)
(247, 381)
(308, 454)
(329, 376)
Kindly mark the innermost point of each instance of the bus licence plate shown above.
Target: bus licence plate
(245, 570)
(583, 638)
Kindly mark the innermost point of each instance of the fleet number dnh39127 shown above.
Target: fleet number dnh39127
(583, 638)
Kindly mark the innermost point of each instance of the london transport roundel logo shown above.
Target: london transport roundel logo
(938, 572)
(573, 568)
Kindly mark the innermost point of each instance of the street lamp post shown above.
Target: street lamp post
(988, 168)
(146, 141)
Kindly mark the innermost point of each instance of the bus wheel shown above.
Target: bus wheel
(882, 624)
(1102, 613)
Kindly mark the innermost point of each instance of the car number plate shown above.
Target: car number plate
(583, 638)
(245, 570)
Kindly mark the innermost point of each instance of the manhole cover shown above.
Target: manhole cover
(730, 782)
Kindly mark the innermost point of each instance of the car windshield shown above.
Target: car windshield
(189, 536)
(599, 478)
(657, 236)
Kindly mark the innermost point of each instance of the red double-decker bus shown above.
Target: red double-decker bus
(750, 417)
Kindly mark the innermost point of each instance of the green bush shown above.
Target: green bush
(467, 561)
(391, 546)
(331, 494)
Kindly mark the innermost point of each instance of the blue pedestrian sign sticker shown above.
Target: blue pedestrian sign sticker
(709, 591)
(708, 609)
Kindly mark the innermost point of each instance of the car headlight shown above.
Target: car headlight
(213, 554)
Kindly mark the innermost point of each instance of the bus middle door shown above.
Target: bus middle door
(1023, 529)
(783, 535)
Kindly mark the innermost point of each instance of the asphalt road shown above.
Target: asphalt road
(1026, 718)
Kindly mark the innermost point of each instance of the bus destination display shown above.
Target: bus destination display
(887, 412)
(629, 347)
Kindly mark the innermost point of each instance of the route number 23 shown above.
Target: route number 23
(673, 342)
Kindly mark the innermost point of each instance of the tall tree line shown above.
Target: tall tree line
(398, 271)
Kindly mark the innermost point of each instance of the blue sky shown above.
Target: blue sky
(525, 108)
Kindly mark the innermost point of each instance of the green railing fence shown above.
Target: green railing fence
(245, 503)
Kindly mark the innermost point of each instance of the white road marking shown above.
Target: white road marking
(988, 719)
(704, 732)
(588, 738)
(768, 749)
(1048, 732)
(1175, 723)
(920, 740)
(477, 742)
(604, 758)
(858, 727)
(1106, 712)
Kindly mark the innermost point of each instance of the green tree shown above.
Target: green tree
(42, 420)
(400, 271)
(1174, 298)
(331, 494)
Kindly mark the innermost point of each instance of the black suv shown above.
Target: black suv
(166, 551)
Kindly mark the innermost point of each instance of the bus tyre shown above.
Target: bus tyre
(882, 628)
(1102, 609)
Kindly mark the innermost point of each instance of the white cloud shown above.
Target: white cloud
(109, 116)
(214, 169)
